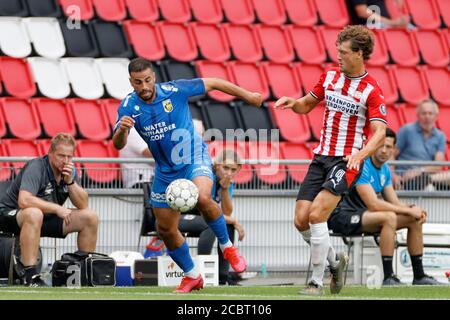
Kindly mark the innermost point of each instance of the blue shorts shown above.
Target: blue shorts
(163, 179)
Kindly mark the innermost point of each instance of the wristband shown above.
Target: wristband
(69, 184)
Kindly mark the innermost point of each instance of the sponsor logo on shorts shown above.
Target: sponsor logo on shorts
(337, 177)
(355, 219)
(12, 213)
(158, 197)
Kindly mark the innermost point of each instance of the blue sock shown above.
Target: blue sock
(219, 227)
(182, 257)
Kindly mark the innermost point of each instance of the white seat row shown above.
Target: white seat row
(88, 77)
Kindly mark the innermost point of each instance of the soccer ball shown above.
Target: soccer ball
(182, 195)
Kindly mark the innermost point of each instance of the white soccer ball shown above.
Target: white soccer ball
(182, 195)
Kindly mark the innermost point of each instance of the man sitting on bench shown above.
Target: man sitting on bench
(362, 211)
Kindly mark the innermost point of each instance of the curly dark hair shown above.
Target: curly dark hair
(361, 39)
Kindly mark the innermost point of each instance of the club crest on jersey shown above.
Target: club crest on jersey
(167, 104)
(358, 94)
(383, 109)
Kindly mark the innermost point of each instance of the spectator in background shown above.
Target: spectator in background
(374, 14)
(420, 140)
(135, 174)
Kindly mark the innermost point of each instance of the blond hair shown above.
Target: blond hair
(62, 138)
(360, 37)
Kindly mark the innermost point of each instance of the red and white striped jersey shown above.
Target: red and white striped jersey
(351, 103)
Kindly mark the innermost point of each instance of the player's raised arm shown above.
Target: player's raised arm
(254, 98)
(302, 105)
(121, 133)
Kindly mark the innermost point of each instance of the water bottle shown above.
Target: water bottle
(46, 275)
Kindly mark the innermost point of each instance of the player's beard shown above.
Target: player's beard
(147, 98)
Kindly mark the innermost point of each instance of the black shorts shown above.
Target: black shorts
(346, 220)
(330, 173)
(52, 226)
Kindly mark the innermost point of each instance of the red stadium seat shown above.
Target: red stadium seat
(329, 36)
(244, 42)
(293, 127)
(276, 43)
(267, 173)
(425, 13)
(78, 9)
(439, 82)
(179, 41)
(411, 83)
(444, 122)
(110, 107)
(433, 47)
(386, 80)
(309, 75)
(402, 47)
(143, 10)
(44, 146)
(333, 13)
(2, 123)
(21, 117)
(239, 12)
(207, 11)
(97, 172)
(55, 116)
(207, 69)
(379, 56)
(396, 11)
(17, 77)
(20, 148)
(283, 79)
(5, 167)
(296, 151)
(308, 44)
(395, 118)
(315, 119)
(176, 11)
(447, 35)
(270, 12)
(408, 112)
(444, 9)
(212, 41)
(110, 10)
(301, 12)
(251, 77)
(146, 39)
(90, 118)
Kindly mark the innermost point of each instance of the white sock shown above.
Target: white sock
(193, 273)
(320, 244)
(331, 257)
(306, 236)
(226, 245)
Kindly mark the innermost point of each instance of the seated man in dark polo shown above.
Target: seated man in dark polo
(362, 211)
(32, 205)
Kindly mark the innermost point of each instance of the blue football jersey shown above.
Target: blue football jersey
(166, 123)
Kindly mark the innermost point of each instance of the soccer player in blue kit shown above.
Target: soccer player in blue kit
(160, 113)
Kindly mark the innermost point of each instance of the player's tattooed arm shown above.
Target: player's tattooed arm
(253, 98)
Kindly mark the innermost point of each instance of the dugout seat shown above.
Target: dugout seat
(160, 72)
(329, 36)
(6, 168)
(197, 113)
(314, 52)
(256, 118)
(408, 112)
(315, 119)
(293, 127)
(17, 77)
(20, 148)
(13, 8)
(444, 9)
(110, 10)
(146, 39)
(380, 55)
(83, 9)
(91, 120)
(424, 13)
(433, 46)
(179, 70)
(276, 43)
(443, 123)
(3, 130)
(270, 174)
(209, 12)
(296, 151)
(333, 13)
(46, 36)
(301, 12)
(111, 39)
(244, 42)
(251, 77)
(143, 10)
(396, 11)
(386, 80)
(14, 39)
(179, 41)
(283, 79)
(309, 75)
(212, 41)
(110, 107)
(270, 12)
(207, 69)
(80, 41)
(114, 73)
(238, 12)
(402, 47)
(438, 80)
(176, 11)
(43, 8)
(84, 76)
(55, 116)
(50, 76)
(21, 118)
(221, 116)
(395, 118)
(411, 84)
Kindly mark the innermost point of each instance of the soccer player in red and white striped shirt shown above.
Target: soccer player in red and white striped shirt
(354, 105)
